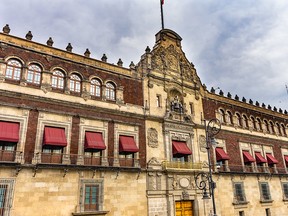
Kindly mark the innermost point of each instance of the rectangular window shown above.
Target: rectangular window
(267, 211)
(158, 100)
(191, 105)
(91, 195)
(241, 213)
(91, 198)
(285, 190)
(6, 194)
(239, 192)
(265, 192)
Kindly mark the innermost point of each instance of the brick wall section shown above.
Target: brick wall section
(75, 135)
(110, 141)
(76, 111)
(31, 135)
(132, 94)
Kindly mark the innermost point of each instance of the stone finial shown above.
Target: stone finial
(274, 109)
(236, 97)
(6, 29)
(29, 35)
(243, 99)
(104, 58)
(269, 107)
(285, 112)
(280, 110)
(263, 105)
(50, 42)
(204, 87)
(87, 53)
(132, 65)
(69, 47)
(212, 90)
(120, 62)
(229, 95)
(221, 93)
(250, 101)
(147, 50)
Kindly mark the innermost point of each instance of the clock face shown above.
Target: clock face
(214, 126)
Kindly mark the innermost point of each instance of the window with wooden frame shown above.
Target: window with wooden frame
(75, 83)
(110, 91)
(239, 121)
(285, 190)
(34, 74)
(58, 79)
(239, 194)
(13, 69)
(265, 192)
(95, 88)
(91, 195)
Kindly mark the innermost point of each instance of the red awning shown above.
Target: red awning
(260, 158)
(286, 159)
(221, 154)
(247, 157)
(127, 145)
(54, 136)
(180, 149)
(94, 140)
(271, 159)
(9, 131)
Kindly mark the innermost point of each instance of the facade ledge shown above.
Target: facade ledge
(241, 205)
(98, 213)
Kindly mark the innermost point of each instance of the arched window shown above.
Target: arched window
(283, 129)
(239, 122)
(254, 123)
(222, 116)
(278, 128)
(259, 125)
(58, 79)
(245, 119)
(13, 69)
(266, 126)
(75, 83)
(95, 88)
(34, 74)
(229, 117)
(110, 91)
(272, 127)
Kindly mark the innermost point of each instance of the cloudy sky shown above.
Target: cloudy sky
(240, 46)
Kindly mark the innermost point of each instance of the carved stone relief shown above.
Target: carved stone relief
(152, 138)
(202, 143)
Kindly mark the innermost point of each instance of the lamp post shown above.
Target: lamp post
(204, 181)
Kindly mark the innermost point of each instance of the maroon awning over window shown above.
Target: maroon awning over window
(94, 140)
(127, 145)
(286, 159)
(180, 149)
(54, 136)
(247, 157)
(271, 159)
(221, 154)
(9, 131)
(260, 158)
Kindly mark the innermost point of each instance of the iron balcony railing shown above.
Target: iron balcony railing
(84, 160)
(11, 156)
(178, 165)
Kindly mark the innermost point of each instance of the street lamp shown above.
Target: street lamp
(204, 181)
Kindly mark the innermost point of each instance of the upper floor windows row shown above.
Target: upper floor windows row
(59, 80)
(253, 123)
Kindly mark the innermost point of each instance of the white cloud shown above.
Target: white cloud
(240, 46)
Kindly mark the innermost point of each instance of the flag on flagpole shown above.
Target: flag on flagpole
(162, 2)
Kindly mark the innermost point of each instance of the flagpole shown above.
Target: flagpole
(162, 18)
